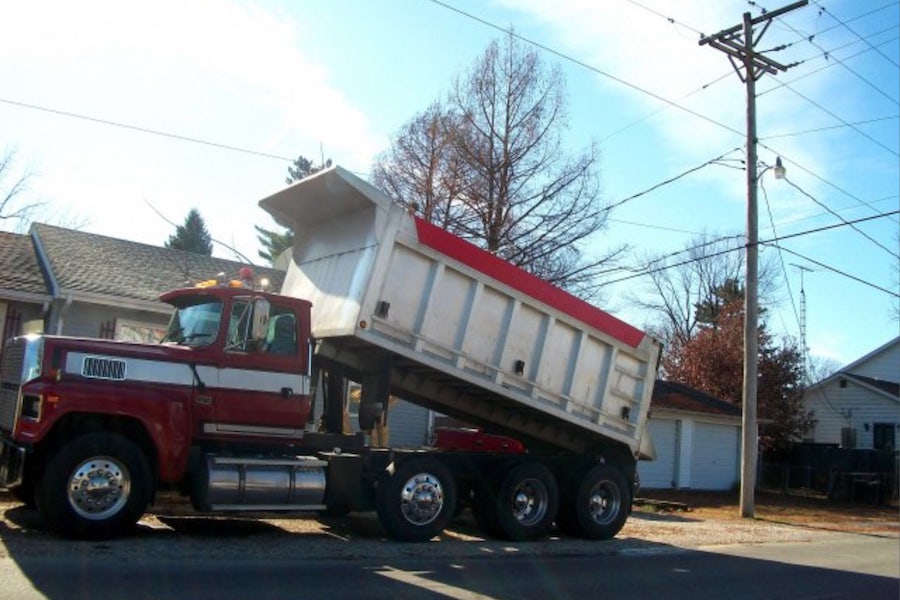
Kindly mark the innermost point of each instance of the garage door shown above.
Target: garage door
(660, 473)
(714, 461)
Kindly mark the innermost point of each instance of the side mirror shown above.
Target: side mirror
(260, 319)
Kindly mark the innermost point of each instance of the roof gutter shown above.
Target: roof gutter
(62, 314)
(44, 262)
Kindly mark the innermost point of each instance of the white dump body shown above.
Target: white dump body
(469, 335)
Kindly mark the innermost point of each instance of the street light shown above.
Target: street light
(779, 170)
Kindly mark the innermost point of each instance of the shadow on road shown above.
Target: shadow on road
(199, 556)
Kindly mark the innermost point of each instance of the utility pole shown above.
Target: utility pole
(738, 43)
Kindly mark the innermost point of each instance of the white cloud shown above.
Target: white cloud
(225, 71)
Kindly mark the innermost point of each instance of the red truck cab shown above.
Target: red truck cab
(89, 428)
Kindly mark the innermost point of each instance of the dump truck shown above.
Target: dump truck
(243, 406)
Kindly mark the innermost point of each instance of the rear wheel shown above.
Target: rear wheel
(97, 486)
(417, 502)
(527, 502)
(596, 505)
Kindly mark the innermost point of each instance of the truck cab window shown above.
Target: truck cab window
(281, 338)
(195, 324)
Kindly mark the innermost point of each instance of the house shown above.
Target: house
(68, 282)
(24, 297)
(697, 439)
(859, 405)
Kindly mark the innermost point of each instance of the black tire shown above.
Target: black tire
(527, 502)
(597, 504)
(95, 487)
(417, 501)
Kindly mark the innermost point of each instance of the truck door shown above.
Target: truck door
(263, 386)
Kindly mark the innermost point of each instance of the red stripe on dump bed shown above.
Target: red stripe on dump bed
(450, 245)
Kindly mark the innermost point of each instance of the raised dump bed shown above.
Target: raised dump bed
(465, 332)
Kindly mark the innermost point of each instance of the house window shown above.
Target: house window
(883, 436)
(135, 331)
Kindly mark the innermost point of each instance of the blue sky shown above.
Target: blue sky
(339, 78)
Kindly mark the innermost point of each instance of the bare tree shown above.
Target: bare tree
(12, 187)
(421, 171)
(685, 289)
(490, 165)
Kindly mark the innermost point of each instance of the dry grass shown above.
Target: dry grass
(806, 511)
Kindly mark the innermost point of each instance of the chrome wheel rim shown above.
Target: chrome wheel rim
(422, 499)
(530, 501)
(605, 501)
(98, 488)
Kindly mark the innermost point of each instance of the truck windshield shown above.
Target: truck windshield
(195, 324)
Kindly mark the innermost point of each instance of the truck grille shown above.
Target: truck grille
(10, 382)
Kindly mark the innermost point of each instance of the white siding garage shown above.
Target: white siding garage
(697, 440)
(714, 460)
(661, 473)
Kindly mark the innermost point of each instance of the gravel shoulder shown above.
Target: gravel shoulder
(172, 527)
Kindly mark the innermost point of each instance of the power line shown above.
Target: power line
(787, 280)
(584, 65)
(651, 226)
(834, 186)
(646, 272)
(839, 61)
(824, 10)
(667, 18)
(828, 65)
(140, 129)
(855, 228)
(883, 215)
(821, 129)
(656, 111)
(845, 123)
(833, 270)
(670, 180)
(637, 88)
(779, 48)
(841, 209)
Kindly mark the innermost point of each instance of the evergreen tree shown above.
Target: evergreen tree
(192, 236)
(273, 242)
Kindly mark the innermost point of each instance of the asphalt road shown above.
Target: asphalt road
(842, 566)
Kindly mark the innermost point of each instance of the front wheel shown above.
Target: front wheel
(597, 504)
(417, 501)
(97, 486)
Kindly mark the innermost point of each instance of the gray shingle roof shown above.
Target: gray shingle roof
(677, 396)
(88, 263)
(20, 271)
(888, 387)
